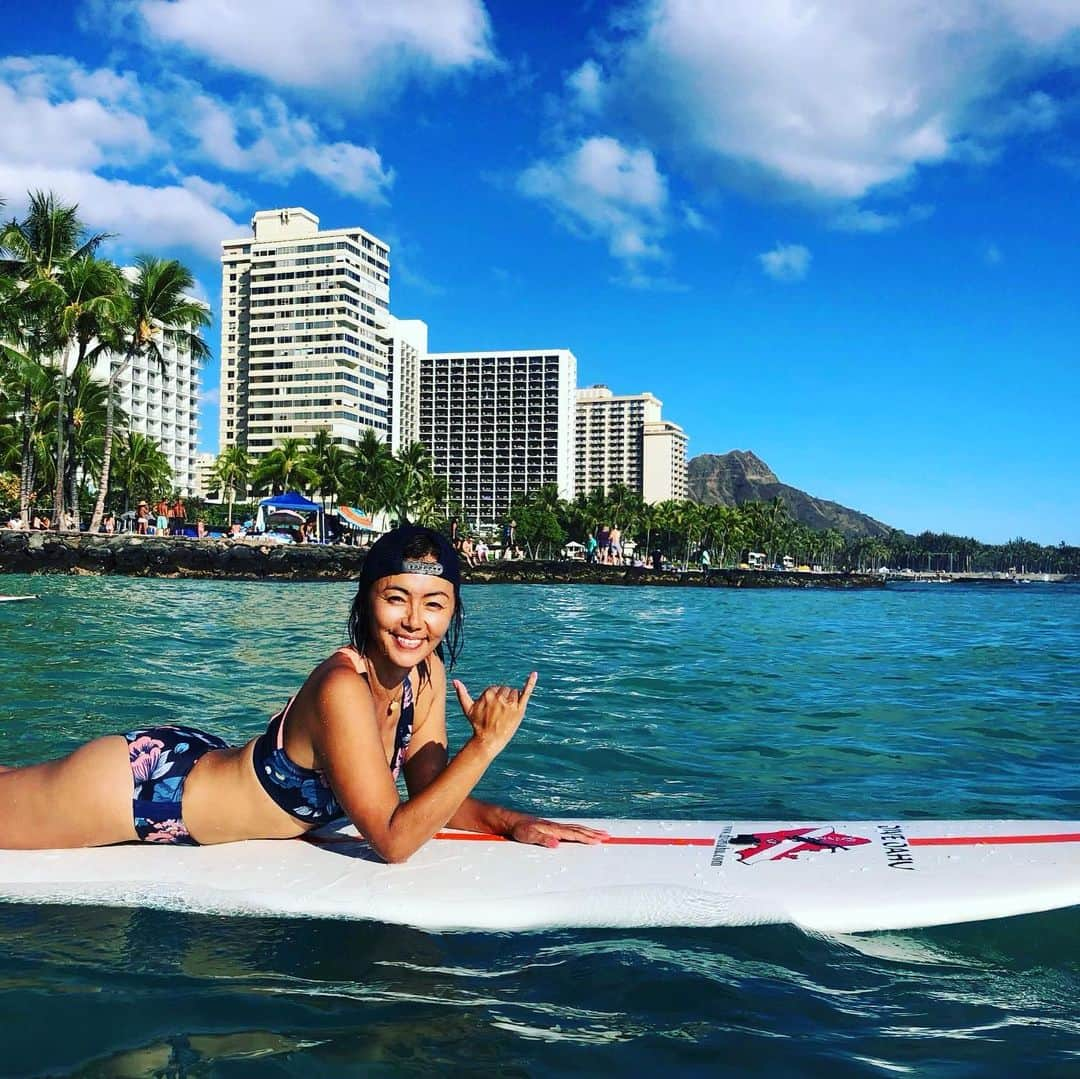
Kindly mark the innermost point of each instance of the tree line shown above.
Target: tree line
(368, 476)
(680, 530)
(62, 306)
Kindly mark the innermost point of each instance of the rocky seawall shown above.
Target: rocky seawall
(149, 556)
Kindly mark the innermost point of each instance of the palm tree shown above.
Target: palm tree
(832, 543)
(232, 472)
(329, 462)
(412, 471)
(431, 500)
(23, 429)
(37, 252)
(140, 469)
(156, 309)
(369, 475)
(87, 416)
(84, 294)
(285, 467)
(667, 520)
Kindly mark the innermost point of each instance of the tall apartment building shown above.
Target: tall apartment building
(622, 440)
(204, 470)
(664, 468)
(499, 424)
(303, 343)
(406, 343)
(161, 401)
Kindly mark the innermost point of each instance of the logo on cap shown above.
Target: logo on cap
(412, 565)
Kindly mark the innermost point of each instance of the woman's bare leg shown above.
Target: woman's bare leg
(81, 800)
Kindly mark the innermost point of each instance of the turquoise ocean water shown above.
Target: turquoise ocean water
(931, 701)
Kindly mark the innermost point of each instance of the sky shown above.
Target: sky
(843, 236)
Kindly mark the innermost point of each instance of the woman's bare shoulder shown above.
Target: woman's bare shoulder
(336, 681)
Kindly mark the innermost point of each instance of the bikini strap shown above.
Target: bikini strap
(353, 657)
(279, 719)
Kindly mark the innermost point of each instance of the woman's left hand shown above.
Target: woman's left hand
(549, 833)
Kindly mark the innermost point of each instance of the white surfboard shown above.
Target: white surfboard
(834, 876)
(15, 599)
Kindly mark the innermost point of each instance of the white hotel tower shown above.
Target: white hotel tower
(303, 339)
(499, 424)
(161, 400)
(622, 440)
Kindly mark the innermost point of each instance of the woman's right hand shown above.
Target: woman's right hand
(497, 713)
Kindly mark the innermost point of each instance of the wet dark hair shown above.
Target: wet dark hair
(419, 544)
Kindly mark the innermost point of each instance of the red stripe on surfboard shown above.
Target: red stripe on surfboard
(990, 840)
(484, 837)
(617, 840)
(702, 841)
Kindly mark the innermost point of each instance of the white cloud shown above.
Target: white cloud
(832, 100)
(140, 215)
(606, 190)
(64, 126)
(786, 262)
(586, 86)
(269, 139)
(215, 194)
(854, 219)
(59, 115)
(46, 122)
(693, 219)
(354, 50)
(857, 219)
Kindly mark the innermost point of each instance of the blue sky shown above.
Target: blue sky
(843, 236)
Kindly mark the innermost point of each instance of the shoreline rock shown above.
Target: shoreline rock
(245, 560)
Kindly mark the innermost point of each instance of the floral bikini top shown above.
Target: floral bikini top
(305, 793)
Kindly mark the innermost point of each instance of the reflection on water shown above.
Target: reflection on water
(684, 703)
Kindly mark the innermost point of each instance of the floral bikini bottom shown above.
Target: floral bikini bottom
(161, 760)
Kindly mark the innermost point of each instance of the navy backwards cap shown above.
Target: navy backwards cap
(387, 556)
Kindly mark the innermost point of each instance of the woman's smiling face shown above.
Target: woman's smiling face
(410, 614)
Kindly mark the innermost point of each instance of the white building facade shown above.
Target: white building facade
(204, 470)
(664, 462)
(161, 400)
(406, 343)
(499, 424)
(622, 440)
(303, 343)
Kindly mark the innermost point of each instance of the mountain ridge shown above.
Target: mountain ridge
(730, 479)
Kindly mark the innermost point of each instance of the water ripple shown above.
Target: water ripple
(669, 702)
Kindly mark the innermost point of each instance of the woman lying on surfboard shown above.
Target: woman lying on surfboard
(334, 751)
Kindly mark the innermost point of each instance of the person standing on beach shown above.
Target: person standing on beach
(603, 544)
(372, 708)
(177, 516)
(161, 511)
(616, 546)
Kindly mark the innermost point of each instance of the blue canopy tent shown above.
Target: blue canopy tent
(289, 502)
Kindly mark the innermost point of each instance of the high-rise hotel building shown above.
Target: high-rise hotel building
(303, 338)
(499, 424)
(623, 440)
(406, 343)
(161, 399)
